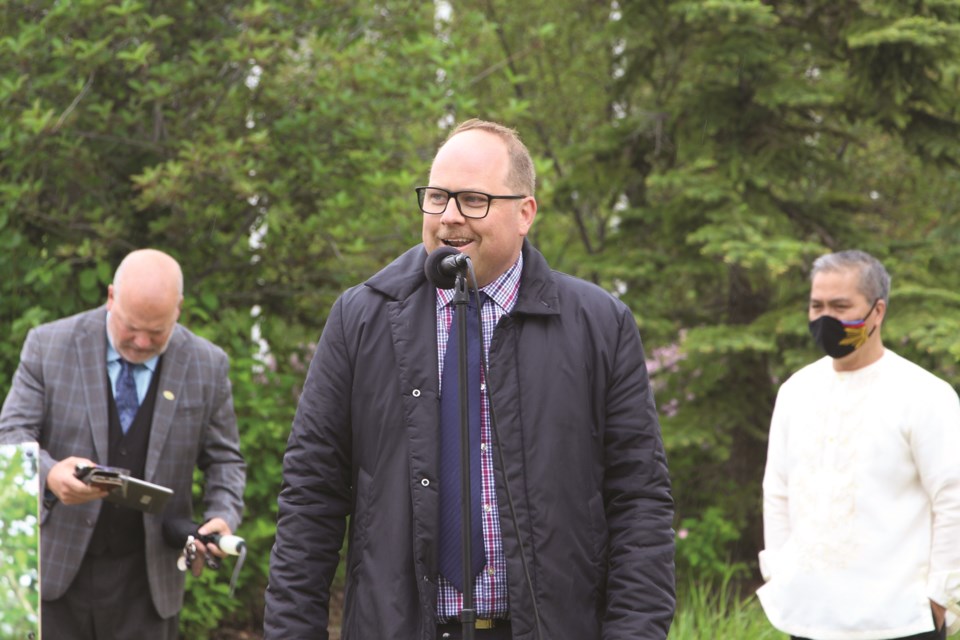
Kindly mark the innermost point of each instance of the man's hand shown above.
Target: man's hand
(939, 614)
(214, 525)
(67, 487)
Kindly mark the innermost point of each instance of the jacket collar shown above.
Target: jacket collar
(538, 286)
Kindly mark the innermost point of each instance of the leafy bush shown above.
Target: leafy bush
(19, 542)
(702, 556)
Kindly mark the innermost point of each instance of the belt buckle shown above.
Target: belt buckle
(485, 623)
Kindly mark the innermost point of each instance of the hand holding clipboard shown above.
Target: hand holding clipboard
(125, 490)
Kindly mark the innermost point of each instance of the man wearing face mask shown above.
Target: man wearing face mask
(861, 495)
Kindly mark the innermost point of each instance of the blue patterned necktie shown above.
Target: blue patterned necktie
(126, 397)
(450, 544)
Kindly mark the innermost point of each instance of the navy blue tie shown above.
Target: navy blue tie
(450, 545)
(126, 397)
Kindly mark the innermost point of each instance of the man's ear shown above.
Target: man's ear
(881, 311)
(528, 212)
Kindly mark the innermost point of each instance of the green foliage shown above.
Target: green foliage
(701, 544)
(699, 155)
(719, 611)
(19, 543)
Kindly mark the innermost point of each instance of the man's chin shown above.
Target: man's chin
(138, 357)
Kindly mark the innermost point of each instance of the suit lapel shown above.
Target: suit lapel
(91, 344)
(174, 369)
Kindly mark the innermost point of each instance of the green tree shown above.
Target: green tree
(700, 154)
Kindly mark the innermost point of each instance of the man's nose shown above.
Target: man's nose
(451, 213)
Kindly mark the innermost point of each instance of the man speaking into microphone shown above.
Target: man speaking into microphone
(570, 500)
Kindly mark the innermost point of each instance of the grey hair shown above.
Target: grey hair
(874, 280)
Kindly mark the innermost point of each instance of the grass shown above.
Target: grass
(722, 613)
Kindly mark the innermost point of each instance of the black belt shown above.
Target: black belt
(479, 623)
(486, 627)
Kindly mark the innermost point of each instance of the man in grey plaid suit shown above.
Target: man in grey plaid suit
(105, 572)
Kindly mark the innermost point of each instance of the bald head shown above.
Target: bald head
(151, 274)
(144, 304)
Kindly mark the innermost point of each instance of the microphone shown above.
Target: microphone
(176, 532)
(443, 265)
(181, 533)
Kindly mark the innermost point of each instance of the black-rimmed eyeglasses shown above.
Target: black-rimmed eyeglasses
(472, 204)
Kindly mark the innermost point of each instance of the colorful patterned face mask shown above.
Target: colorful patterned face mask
(840, 338)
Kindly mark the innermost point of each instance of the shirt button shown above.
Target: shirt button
(483, 446)
(487, 508)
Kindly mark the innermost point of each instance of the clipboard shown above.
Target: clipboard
(125, 490)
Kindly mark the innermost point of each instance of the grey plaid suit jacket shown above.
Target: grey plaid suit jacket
(59, 398)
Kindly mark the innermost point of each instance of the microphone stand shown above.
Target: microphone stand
(461, 296)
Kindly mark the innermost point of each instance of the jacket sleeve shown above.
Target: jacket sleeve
(776, 507)
(315, 496)
(638, 503)
(220, 459)
(934, 441)
(22, 417)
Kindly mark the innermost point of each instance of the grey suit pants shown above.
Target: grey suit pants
(108, 600)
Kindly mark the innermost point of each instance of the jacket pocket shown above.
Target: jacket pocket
(359, 534)
(360, 522)
(599, 542)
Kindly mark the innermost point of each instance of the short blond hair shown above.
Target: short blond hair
(521, 175)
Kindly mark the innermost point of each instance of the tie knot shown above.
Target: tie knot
(472, 300)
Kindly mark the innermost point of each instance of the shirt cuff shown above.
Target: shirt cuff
(943, 588)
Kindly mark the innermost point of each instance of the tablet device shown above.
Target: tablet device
(140, 495)
(125, 490)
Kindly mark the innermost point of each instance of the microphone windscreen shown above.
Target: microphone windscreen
(441, 278)
(176, 531)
